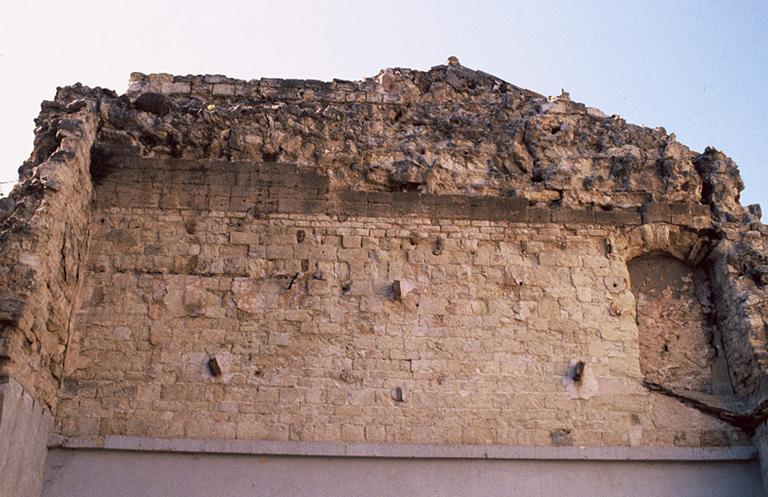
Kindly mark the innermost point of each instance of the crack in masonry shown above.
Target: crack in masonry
(746, 419)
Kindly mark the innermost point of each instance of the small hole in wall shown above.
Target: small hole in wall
(190, 226)
(539, 175)
(437, 249)
(410, 187)
(269, 156)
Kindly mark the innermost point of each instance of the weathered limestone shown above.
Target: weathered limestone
(422, 258)
(312, 339)
(676, 336)
(43, 240)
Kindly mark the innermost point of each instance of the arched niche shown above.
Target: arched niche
(675, 322)
(680, 344)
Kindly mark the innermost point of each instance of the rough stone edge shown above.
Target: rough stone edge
(375, 89)
(46, 183)
(401, 451)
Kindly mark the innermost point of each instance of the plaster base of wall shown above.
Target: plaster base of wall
(254, 468)
(25, 426)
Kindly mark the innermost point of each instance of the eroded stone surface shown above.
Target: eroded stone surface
(265, 223)
(448, 130)
(674, 322)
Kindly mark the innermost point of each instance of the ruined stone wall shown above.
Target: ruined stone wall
(447, 130)
(43, 240)
(423, 257)
(317, 306)
(453, 130)
(44, 226)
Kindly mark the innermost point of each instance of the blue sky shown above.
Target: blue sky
(700, 69)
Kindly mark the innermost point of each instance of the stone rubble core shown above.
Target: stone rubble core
(421, 257)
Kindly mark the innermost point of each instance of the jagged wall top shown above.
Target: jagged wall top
(447, 130)
(393, 85)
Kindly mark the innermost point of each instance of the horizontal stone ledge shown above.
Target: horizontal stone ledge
(285, 188)
(403, 451)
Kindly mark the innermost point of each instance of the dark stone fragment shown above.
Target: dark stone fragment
(561, 438)
(397, 394)
(153, 103)
(50, 105)
(62, 155)
(578, 371)
(6, 208)
(214, 366)
(10, 310)
(437, 248)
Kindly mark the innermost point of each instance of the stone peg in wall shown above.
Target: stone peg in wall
(401, 289)
(406, 292)
(214, 367)
(398, 394)
(615, 309)
(579, 380)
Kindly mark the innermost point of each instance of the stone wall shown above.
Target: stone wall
(450, 130)
(322, 309)
(44, 226)
(741, 309)
(420, 257)
(25, 426)
(43, 240)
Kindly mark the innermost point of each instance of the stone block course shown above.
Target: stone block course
(494, 319)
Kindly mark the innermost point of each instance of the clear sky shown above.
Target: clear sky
(698, 68)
